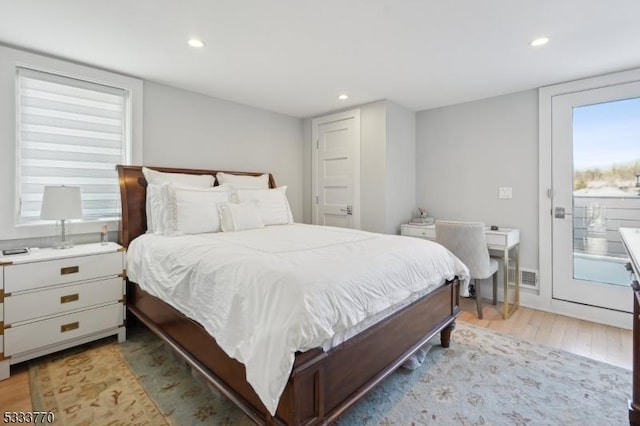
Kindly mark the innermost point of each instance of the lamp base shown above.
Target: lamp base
(62, 240)
(62, 244)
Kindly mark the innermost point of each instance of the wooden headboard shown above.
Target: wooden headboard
(133, 195)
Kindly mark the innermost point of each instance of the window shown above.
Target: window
(70, 132)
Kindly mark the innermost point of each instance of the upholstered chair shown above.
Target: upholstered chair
(467, 241)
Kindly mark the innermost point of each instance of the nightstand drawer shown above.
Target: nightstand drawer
(27, 276)
(422, 232)
(58, 300)
(40, 334)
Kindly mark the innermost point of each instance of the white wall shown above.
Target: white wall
(401, 170)
(465, 152)
(190, 130)
(181, 129)
(373, 129)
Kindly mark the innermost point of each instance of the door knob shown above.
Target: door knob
(349, 210)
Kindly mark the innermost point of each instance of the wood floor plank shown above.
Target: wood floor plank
(570, 335)
(557, 334)
(584, 338)
(544, 329)
(599, 342)
(614, 346)
(531, 328)
(14, 391)
(521, 322)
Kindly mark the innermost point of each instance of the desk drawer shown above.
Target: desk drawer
(503, 238)
(58, 300)
(27, 276)
(428, 233)
(40, 334)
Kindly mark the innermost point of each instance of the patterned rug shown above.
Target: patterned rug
(484, 378)
(91, 385)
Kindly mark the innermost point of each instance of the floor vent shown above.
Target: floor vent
(528, 278)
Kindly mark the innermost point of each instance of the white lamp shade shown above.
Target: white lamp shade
(61, 202)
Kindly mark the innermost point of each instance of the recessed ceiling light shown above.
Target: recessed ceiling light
(194, 42)
(343, 96)
(539, 42)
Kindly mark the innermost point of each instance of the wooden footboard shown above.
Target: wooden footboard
(322, 384)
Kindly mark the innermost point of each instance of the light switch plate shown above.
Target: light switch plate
(504, 192)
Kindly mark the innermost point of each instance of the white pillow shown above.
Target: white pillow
(272, 203)
(154, 207)
(239, 216)
(192, 210)
(158, 178)
(155, 217)
(244, 182)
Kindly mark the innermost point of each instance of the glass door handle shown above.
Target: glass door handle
(560, 213)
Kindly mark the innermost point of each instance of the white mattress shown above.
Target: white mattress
(264, 294)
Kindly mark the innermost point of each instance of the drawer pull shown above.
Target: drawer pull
(69, 298)
(69, 270)
(68, 327)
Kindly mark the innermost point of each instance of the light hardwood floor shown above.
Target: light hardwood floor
(600, 342)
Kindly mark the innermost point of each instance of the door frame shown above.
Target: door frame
(545, 217)
(343, 115)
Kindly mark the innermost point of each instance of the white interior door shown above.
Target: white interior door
(336, 169)
(595, 159)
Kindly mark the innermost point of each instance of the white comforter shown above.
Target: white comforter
(266, 293)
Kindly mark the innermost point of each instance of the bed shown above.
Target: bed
(322, 383)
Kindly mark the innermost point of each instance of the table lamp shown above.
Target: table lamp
(61, 203)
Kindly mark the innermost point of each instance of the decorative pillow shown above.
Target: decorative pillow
(154, 177)
(243, 182)
(193, 210)
(272, 203)
(239, 216)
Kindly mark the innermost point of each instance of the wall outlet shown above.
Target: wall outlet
(504, 192)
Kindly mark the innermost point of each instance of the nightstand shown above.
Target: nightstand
(53, 299)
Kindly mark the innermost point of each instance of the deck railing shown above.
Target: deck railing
(596, 221)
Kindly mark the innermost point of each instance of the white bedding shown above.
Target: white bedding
(266, 293)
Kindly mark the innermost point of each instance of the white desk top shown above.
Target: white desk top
(487, 229)
(499, 239)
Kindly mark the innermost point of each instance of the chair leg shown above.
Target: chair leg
(478, 298)
(495, 288)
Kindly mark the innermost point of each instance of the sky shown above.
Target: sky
(606, 134)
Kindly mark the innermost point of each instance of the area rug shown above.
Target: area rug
(91, 385)
(484, 378)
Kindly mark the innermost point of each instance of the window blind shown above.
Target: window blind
(70, 132)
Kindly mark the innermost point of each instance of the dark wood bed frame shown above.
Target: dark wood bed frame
(322, 385)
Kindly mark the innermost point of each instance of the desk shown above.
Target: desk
(504, 241)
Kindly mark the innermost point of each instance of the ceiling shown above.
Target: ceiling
(296, 56)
